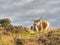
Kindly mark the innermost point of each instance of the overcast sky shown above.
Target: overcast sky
(21, 12)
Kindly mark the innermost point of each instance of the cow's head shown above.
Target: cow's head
(36, 22)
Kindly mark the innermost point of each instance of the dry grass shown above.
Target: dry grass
(18, 35)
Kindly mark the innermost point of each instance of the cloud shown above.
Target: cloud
(12, 4)
(54, 10)
(22, 2)
(23, 11)
(50, 2)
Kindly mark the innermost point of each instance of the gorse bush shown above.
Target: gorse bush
(5, 22)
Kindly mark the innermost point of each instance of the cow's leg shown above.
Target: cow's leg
(36, 28)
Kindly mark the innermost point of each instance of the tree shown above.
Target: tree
(5, 22)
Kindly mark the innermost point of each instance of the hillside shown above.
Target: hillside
(18, 35)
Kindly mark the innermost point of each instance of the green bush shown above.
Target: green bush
(5, 22)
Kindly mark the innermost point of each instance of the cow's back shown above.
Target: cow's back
(45, 25)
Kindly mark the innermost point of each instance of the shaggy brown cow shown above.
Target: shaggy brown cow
(40, 25)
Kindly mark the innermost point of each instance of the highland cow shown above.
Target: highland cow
(40, 25)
